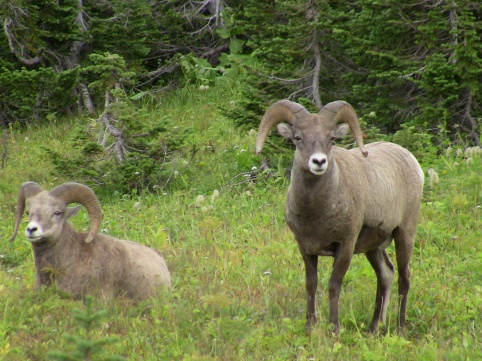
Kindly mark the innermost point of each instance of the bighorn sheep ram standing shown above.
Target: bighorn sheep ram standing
(341, 202)
(83, 263)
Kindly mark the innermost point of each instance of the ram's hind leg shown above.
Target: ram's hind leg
(404, 238)
(384, 270)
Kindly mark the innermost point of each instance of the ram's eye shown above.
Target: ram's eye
(57, 213)
(297, 138)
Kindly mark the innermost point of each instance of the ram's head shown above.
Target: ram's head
(47, 210)
(312, 134)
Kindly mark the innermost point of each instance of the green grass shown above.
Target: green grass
(238, 279)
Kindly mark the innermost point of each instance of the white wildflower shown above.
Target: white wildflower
(449, 151)
(214, 195)
(433, 180)
(200, 200)
(137, 206)
(459, 153)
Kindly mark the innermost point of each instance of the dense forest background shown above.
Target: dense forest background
(412, 65)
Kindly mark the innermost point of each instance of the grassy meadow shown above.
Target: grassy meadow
(238, 278)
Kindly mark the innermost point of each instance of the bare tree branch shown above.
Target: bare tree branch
(5, 150)
(472, 122)
(77, 46)
(453, 32)
(12, 41)
(86, 99)
(196, 9)
(106, 120)
(312, 15)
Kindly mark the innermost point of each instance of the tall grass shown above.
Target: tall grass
(238, 279)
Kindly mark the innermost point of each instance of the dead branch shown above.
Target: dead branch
(86, 99)
(472, 122)
(107, 120)
(5, 150)
(311, 14)
(77, 46)
(12, 41)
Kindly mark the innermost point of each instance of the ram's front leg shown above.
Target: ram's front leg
(341, 263)
(311, 272)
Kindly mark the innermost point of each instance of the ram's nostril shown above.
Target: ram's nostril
(319, 162)
(31, 229)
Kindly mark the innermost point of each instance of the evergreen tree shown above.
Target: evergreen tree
(87, 347)
(297, 55)
(417, 63)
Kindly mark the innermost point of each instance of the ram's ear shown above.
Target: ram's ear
(340, 131)
(72, 211)
(285, 130)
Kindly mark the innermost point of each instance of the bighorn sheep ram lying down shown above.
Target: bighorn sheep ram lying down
(341, 202)
(84, 263)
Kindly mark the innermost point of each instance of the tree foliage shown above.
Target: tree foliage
(413, 62)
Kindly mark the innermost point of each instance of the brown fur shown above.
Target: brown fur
(341, 202)
(106, 267)
(357, 206)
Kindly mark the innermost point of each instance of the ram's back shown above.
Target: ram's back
(394, 182)
(147, 273)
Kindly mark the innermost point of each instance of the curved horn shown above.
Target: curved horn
(79, 193)
(27, 190)
(281, 111)
(343, 111)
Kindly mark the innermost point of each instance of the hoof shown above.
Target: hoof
(335, 329)
(310, 323)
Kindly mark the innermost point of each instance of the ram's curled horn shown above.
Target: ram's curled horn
(79, 193)
(344, 112)
(281, 111)
(27, 189)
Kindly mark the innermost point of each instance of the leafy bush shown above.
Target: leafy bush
(419, 143)
(27, 94)
(152, 146)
